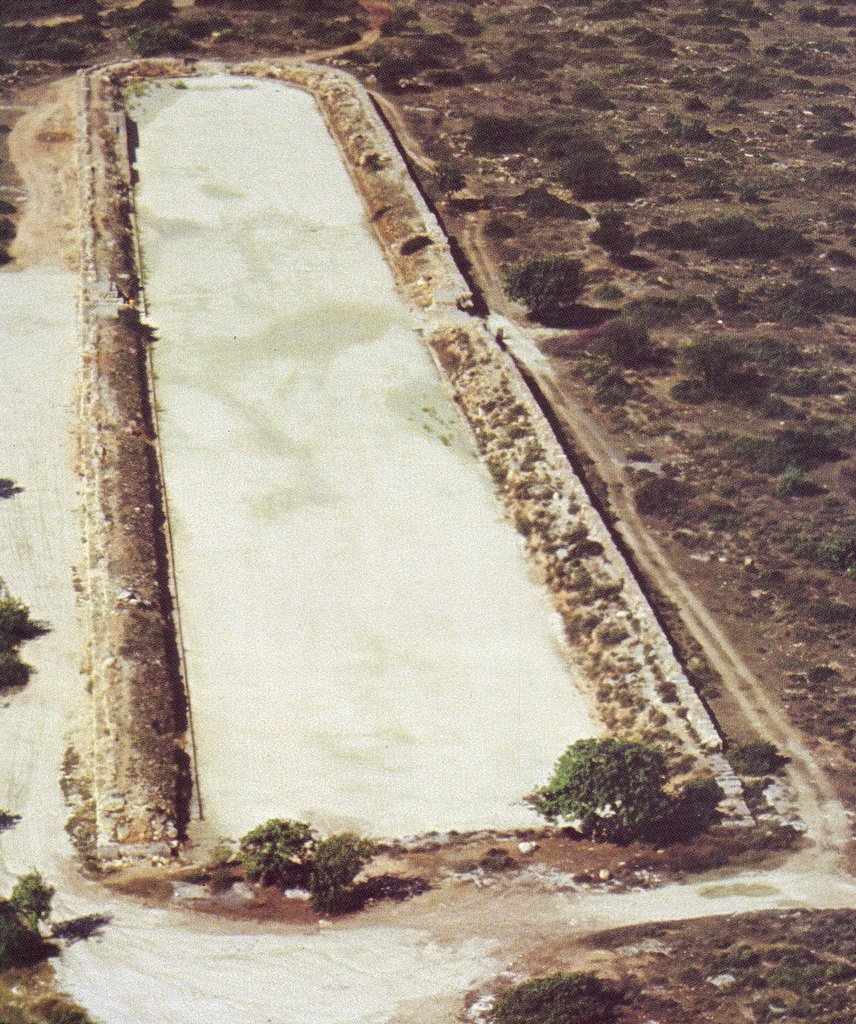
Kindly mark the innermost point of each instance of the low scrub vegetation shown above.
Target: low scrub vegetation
(731, 237)
(288, 853)
(568, 998)
(546, 284)
(756, 758)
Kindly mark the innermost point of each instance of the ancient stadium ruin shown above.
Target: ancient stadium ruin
(334, 549)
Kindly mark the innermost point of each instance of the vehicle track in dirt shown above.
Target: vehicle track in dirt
(818, 807)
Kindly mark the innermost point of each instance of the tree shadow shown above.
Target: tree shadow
(383, 887)
(576, 316)
(79, 929)
(8, 820)
(8, 488)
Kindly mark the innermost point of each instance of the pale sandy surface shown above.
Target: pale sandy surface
(365, 647)
(38, 547)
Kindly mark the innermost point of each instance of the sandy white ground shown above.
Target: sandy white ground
(365, 646)
(38, 546)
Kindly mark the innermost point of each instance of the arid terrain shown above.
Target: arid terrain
(694, 388)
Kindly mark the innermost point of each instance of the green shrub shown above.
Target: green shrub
(587, 94)
(802, 449)
(661, 495)
(795, 483)
(401, 19)
(714, 361)
(150, 40)
(836, 552)
(698, 802)
(613, 233)
(563, 137)
(567, 998)
(626, 342)
(658, 310)
(593, 173)
(500, 133)
(276, 852)
(32, 898)
(467, 24)
(731, 237)
(336, 862)
(448, 177)
(810, 296)
(541, 202)
(756, 758)
(545, 283)
(613, 788)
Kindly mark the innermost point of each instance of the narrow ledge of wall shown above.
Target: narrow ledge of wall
(138, 767)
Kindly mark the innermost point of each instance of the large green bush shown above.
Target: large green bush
(276, 852)
(613, 788)
(153, 38)
(545, 284)
(569, 998)
(593, 173)
(336, 862)
(758, 757)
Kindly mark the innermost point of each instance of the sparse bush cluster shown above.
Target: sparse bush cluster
(288, 853)
(731, 237)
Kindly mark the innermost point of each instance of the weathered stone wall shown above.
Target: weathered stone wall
(136, 761)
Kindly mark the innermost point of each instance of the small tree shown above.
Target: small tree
(572, 997)
(448, 177)
(613, 788)
(626, 341)
(545, 283)
(714, 359)
(613, 233)
(336, 863)
(274, 852)
(32, 897)
(19, 945)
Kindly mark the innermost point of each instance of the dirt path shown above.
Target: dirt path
(826, 821)
(411, 147)
(42, 146)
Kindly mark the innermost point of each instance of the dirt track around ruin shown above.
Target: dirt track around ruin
(816, 802)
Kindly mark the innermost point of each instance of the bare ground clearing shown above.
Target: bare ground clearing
(42, 146)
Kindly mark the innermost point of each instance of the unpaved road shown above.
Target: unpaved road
(42, 147)
(400, 964)
(817, 805)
